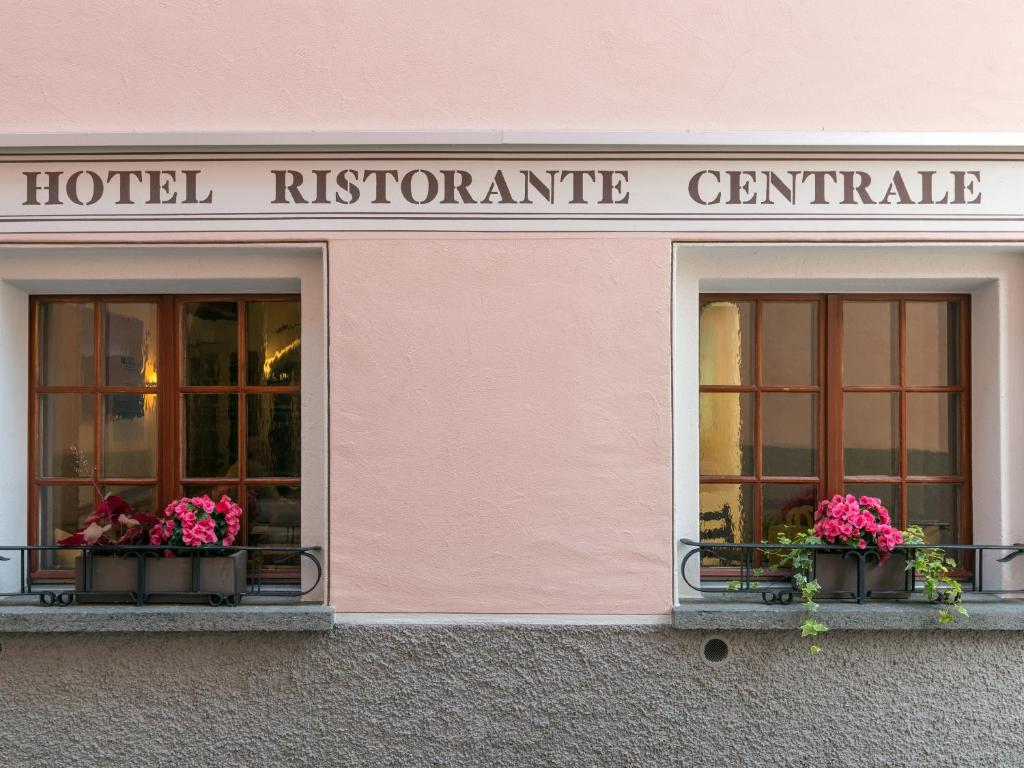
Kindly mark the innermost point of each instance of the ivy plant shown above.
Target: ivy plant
(801, 561)
(934, 567)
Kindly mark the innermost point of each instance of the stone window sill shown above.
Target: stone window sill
(897, 615)
(166, 618)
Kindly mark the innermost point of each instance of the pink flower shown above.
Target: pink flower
(862, 544)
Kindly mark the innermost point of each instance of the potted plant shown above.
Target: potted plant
(866, 543)
(195, 566)
(861, 528)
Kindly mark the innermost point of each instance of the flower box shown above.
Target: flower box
(836, 572)
(167, 579)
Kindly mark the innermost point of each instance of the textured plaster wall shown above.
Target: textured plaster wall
(361, 64)
(442, 696)
(501, 425)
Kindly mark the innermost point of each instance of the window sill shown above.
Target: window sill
(897, 615)
(166, 618)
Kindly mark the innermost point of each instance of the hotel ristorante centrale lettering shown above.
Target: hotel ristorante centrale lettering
(578, 191)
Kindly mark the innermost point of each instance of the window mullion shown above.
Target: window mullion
(97, 416)
(903, 411)
(834, 469)
(165, 401)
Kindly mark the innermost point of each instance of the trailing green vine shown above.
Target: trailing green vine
(934, 567)
(801, 561)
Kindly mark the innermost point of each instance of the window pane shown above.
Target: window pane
(213, 491)
(726, 433)
(726, 516)
(66, 435)
(933, 433)
(789, 434)
(727, 342)
(142, 498)
(272, 427)
(211, 343)
(788, 508)
(888, 493)
(66, 344)
(871, 343)
(790, 354)
(130, 344)
(273, 349)
(871, 433)
(274, 520)
(933, 343)
(936, 508)
(62, 511)
(129, 440)
(211, 435)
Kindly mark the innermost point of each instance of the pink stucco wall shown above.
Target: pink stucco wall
(501, 425)
(114, 65)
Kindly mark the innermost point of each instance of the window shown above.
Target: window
(153, 397)
(805, 396)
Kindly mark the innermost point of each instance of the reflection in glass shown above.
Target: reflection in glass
(871, 343)
(789, 434)
(936, 508)
(787, 509)
(888, 493)
(211, 435)
(62, 511)
(273, 350)
(790, 353)
(726, 516)
(933, 433)
(272, 427)
(726, 433)
(142, 498)
(727, 342)
(871, 433)
(933, 343)
(274, 520)
(211, 343)
(130, 344)
(66, 435)
(129, 447)
(66, 344)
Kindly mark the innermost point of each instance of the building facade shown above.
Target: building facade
(494, 309)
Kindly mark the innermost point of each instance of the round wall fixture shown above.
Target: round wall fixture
(715, 651)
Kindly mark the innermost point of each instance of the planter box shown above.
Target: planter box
(221, 576)
(836, 572)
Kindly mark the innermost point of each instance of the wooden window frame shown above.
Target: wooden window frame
(169, 391)
(831, 477)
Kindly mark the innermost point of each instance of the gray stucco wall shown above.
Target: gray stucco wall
(510, 696)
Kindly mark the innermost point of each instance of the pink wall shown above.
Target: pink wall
(364, 64)
(501, 425)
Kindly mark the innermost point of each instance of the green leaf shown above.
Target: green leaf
(810, 628)
(815, 649)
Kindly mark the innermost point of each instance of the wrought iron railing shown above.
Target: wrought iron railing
(138, 566)
(746, 569)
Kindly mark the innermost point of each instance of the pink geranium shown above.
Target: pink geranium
(198, 522)
(856, 522)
